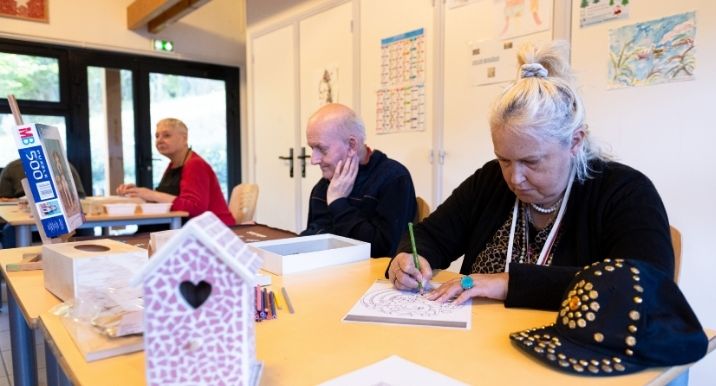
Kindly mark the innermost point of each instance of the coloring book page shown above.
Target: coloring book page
(393, 371)
(382, 303)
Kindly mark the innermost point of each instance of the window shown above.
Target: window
(76, 90)
(199, 103)
(29, 77)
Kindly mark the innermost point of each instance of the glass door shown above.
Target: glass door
(201, 104)
(111, 127)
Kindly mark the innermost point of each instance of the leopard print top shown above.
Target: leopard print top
(492, 258)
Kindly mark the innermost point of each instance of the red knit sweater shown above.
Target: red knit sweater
(199, 191)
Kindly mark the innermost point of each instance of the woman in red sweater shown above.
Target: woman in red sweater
(189, 183)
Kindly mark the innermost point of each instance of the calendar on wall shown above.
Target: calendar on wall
(400, 101)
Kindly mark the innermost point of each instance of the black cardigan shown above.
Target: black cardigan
(617, 213)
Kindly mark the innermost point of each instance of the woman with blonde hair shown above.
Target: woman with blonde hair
(189, 182)
(548, 205)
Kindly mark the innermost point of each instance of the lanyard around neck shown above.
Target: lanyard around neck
(552, 233)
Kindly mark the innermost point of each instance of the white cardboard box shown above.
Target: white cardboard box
(300, 254)
(74, 270)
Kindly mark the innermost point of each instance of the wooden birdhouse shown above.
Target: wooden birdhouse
(198, 308)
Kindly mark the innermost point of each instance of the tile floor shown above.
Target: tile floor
(6, 365)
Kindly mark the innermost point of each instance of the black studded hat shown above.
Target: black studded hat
(617, 317)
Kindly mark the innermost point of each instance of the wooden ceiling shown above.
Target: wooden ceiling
(157, 14)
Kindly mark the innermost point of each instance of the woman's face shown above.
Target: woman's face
(170, 141)
(535, 169)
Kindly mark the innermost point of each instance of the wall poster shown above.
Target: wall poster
(656, 51)
(35, 10)
(597, 11)
(326, 85)
(493, 61)
(400, 101)
(522, 17)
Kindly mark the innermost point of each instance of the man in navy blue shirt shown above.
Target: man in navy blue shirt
(363, 194)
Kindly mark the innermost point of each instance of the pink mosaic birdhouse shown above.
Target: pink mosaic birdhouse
(199, 314)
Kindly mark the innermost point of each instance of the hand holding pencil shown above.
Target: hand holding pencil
(410, 271)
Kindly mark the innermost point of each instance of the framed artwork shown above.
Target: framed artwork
(35, 10)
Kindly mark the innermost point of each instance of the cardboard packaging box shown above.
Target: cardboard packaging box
(49, 178)
(83, 269)
(306, 253)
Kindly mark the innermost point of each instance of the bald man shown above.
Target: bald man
(363, 194)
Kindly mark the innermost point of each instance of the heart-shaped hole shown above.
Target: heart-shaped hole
(195, 294)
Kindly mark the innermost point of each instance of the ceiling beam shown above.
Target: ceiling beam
(141, 11)
(158, 14)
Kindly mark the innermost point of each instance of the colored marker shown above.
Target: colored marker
(272, 299)
(287, 299)
(415, 254)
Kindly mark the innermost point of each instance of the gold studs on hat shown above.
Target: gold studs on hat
(630, 341)
(598, 337)
(634, 315)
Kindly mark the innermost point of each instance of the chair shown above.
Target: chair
(423, 209)
(242, 202)
(676, 244)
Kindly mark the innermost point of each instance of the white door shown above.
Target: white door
(275, 126)
(326, 60)
(287, 69)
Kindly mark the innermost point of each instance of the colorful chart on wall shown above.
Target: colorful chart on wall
(597, 11)
(400, 102)
(522, 17)
(653, 52)
(393, 371)
(382, 303)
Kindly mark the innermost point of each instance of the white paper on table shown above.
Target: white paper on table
(393, 371)
(382, 303)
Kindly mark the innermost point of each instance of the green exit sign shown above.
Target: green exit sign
(163, 45)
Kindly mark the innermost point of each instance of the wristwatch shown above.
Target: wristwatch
(466, 282)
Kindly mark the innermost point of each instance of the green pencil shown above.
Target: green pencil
(415, 254)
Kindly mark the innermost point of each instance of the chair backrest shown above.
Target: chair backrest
(242, 202)
(423, 209)
(676, 244)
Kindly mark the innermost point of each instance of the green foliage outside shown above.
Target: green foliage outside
(29, 77)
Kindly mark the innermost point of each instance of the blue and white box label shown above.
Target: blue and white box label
(50, 179)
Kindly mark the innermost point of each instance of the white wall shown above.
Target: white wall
(666, 131)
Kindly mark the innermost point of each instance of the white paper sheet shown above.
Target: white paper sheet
(382, 303)
(393, 371)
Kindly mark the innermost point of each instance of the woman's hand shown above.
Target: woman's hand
(143, 193)
(124, 188)
(491, 286)
(405, 276)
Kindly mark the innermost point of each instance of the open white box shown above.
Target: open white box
(300, 254)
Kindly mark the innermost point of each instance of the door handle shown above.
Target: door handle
(290, 161)
(303, 157)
